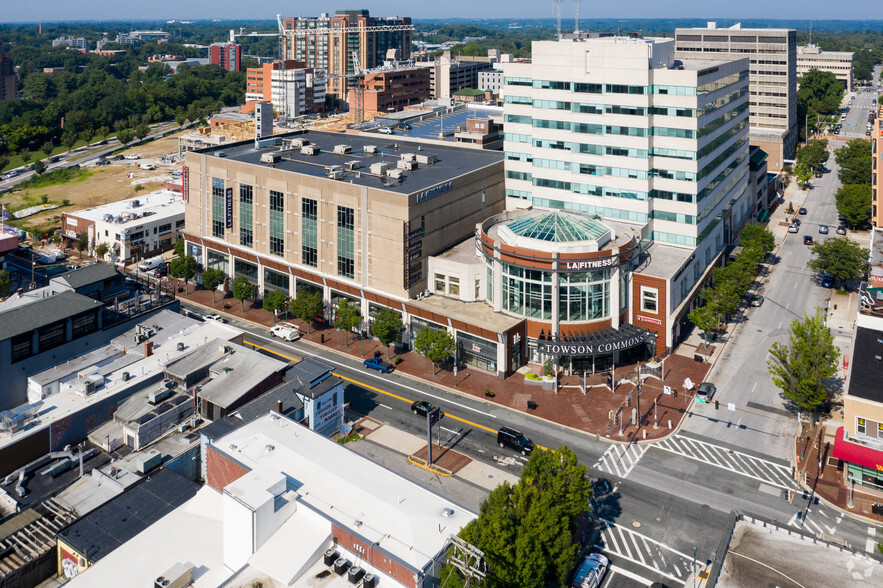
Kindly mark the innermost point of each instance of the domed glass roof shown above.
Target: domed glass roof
(557, 226)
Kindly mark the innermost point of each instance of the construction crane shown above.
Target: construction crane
(358, 88)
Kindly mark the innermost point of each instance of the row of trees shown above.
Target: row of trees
(810, 157)
(820, 93)
(854, 195)
(731, 282)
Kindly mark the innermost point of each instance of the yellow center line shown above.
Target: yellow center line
(274, 352)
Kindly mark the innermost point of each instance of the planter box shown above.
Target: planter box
(550, 383)
(534, 382)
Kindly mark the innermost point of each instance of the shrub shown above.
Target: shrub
(488, 393)
(531, 376)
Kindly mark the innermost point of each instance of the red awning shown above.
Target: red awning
(855, 453)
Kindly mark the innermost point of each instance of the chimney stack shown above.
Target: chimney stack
(148, 349)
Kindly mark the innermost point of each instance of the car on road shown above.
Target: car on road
(215, 317)
(827, 279)
(162, 271)
(133, 156)
(422, 408)
(841, 230)
(755, 299)
(823, 229)
(375, 363)
(54, 159)
(590, 572)
(117, 157)
(705, 392)
(807, 240)
(513, 439)
(102, 162)
(867, 133)
(10, 174)
(818, 174)
(802, 210)
(793, 228)
(285, 331)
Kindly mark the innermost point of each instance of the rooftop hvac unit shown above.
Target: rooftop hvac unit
(370, 148)
(270, 157)
(134, 203)
(108, 218)
(369, 581)
(118, 220)
(300, 142)
(330, 557)
(427, 158)
(330, 169)
(379, 168)
(342, 149)
(177, 576)
(355, 574)
(406, 165)
(408, 156)
(180, 346)
(395, 174)
(353, 165)
(340, 566)
(157, 396)
(126, 376)
(309, 150)
(336, 175)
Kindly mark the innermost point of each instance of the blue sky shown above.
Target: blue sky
(60, 10)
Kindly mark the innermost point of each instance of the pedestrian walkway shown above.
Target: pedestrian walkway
(620, 460)
(621, 542)
(763, 470)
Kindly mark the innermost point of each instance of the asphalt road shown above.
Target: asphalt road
(855, 123)
(659, 502)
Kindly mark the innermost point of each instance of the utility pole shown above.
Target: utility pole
(468, 559)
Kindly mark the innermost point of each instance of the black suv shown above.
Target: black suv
(508, 437)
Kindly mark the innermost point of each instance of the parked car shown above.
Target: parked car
(793, 228)
(827, 279)
(509, 437)
(152, 263)
(117, 157)
(755, 299)
(405, 126)
(161, 271)
(590, 572)
(422, 408)
(807, 239)
(215, 317)
(841, 230)
(375, 363)
(818, 175)
(802, 210)
(705, 392)
(385, 130)
(823, 229)
(102, 162)
(133, 156)
(285, 331)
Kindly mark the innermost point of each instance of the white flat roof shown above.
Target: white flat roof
(400, 517)
(162, 203)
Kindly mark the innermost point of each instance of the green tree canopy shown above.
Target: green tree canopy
(757, 237)
(843, 258)
(179, 247)
(183, 268)
(705, 319)
(802, 368)
(854, 160)
(854, 203)
(242, 290)
(527, 531)
(275, 301)
(814, 154)
(434, 344)
(101, 250)
(386, 325)
(82, 242)
(346, 318)
(39, 167)
(307, 305)
(820, 91)
(212, 278)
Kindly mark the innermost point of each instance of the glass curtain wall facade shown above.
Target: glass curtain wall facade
(218, 212)
(277, 223)
(246, 215)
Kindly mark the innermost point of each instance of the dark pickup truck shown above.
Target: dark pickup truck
(375, 363)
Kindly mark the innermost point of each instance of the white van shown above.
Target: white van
(152, 263)
(147, 166)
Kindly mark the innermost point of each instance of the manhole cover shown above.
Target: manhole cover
(636, 524)
(705, 507)
(490, 475)
(729, 490)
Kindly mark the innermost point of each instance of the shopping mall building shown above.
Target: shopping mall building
(623, 182)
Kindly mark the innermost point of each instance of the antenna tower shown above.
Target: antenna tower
(558, 17)
(576, 25)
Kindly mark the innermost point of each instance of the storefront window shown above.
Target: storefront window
(584, 296)
(275, 280)
(527, 292)
(244, 268)
(418, 324)
(477, 352)
(218, 260)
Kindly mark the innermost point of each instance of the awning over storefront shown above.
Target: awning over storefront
(854, 453)
(592, 344)
(764, 214)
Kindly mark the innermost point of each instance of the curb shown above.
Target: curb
(456, 392)
(437, 470)
(852, 515)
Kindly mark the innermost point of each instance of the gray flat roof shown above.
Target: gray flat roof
(90, 274)
(451, 162)
(233, 374)
(40, 313)
(665, 260)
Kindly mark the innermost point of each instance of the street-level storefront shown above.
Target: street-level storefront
(591, 352)
(477, 352)
(863, 464)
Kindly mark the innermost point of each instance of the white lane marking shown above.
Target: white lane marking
(871, 546)
(384, 406)
(406, 387)
(616, 551)
(447, 430)
(753, 387)
(630, 575)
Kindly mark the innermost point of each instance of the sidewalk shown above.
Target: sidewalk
(569, 406)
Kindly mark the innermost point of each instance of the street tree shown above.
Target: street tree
(242, 290)
(69, 139)
(47, 149)
(346, 318)
(39, 167)
(307, 306)
(386, 325)
(842, 257)
(855, 161)
(275, 301)
(802, 174)
(179, 247)
(820, 91)
(814, 154)
(706, 320)
(125, 136)
(5, 283)
(434, 344)
(756, 236)
(102, 132)
(802, 368)
(183, 268)
(141, 131)
(101, 250)
(82, 242)
(528, 531)
(854, 203)
(212, 278)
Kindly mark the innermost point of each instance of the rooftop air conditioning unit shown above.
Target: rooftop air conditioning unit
(300, 142)
(157, 396)
(407, 165)
(177, 576)
(310, 150)
(352, 165)
(270, 157)
(379, 168)
(355, 574)
(369, 581)
(330, 557)
(108, 218)
(426, 158)
(330, 169)
(340, 566)
(336, 175)
(370, 148)
(342, 149)
(396, 174)
(135, 203)
(408, 156)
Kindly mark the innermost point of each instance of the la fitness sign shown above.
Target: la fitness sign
(591, 264)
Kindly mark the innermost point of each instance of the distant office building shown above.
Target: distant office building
(491, 81)
(389, 91)
(449, 74)
(125, 39)
(7, 75)
(158, 36)
(877, 170)
(772, 80)
(76, 42)
(293, 89)
(327, 42)
(838, 63)
(226, 55)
